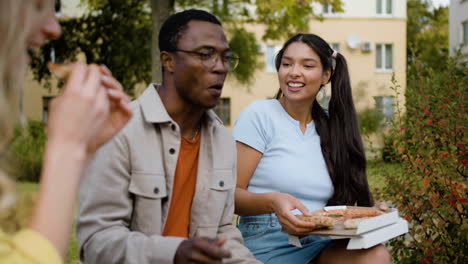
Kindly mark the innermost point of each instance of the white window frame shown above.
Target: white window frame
(331, 12)
(381, 102)
(223, 110)
(383, 54)
(58, 13)
(270, 58)
(45, 108)
(384, 11)
(464, 33)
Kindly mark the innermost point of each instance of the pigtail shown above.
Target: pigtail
(346, 151)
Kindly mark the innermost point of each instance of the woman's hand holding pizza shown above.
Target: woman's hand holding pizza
(119, 110)
(282, 204)
(91, 109)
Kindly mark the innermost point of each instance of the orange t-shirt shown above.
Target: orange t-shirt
(178, 220)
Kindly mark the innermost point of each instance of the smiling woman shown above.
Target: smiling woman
(291, 139)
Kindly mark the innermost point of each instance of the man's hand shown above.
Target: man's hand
(201, 250)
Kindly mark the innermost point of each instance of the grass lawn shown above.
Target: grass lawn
(375, 173)
(27, 187)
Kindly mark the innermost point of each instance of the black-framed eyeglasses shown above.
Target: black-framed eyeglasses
(210, 58)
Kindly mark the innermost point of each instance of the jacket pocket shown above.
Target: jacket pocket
(148, 185)
(148, 190)
(222, 180)
(220, 195)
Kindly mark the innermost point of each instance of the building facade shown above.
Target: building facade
(371, 34)
(458, 28)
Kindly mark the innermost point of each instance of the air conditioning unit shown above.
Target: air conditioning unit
(367, 46)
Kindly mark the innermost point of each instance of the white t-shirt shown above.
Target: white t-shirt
(292, 161)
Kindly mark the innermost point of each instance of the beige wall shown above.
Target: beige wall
(33, 94)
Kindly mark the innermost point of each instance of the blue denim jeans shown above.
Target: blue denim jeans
(263, 237)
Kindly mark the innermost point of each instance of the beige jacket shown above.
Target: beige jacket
(126, 193)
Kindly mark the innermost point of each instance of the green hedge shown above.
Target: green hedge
(26, 151)
(370, 120)
(430, 143)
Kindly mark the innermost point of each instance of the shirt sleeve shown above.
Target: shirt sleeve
(27, 246)
(250, 127)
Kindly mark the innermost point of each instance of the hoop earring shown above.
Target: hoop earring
(323, 91)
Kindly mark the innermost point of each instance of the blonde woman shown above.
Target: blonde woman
(91, 109)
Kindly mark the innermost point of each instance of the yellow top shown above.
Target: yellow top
(25, 247)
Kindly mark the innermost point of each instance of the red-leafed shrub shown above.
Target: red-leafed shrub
(430, 142)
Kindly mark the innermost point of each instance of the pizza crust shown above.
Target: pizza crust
(362, 212)
(61, 71)
(319, 221)
(354, 223)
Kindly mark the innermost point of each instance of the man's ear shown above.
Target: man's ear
(326, 77)
(167, 61)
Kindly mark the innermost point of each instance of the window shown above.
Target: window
(58, 9)
(58, 6)
(335, 46)
(270, 54)
(384, 57)
(328, 9)
(465, 32)
(223, 110)
(45, 108)
(270, 59)
(384, 7)
(385, 104)
(52, 54)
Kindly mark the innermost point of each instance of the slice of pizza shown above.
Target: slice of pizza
(319, 221)
(61, 71)
(362, 212)
(337, 214)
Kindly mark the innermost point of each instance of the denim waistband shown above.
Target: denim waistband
(263, 218)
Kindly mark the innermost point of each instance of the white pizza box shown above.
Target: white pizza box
(379, 236)
(368, 239)
(370, 232)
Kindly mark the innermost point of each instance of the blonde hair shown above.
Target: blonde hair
(16, 19)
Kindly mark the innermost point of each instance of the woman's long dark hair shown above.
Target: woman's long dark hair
(340, 138)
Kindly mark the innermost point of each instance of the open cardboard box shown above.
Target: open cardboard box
(370, 232)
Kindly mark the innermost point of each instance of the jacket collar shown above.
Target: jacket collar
(154, 111)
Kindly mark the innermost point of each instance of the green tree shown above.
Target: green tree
(430, 144)
(117, 34)
(123, 33)
(427, 34)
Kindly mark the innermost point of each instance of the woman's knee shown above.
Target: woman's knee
(378, 254)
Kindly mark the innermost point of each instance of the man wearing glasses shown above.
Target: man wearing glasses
(164, 187)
